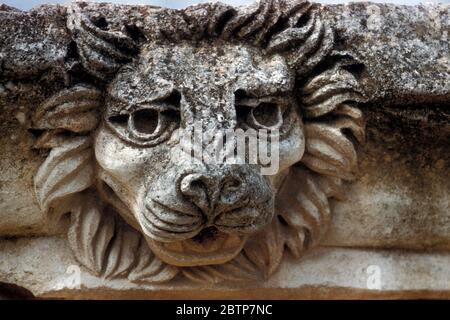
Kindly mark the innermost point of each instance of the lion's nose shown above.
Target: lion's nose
(213, 194)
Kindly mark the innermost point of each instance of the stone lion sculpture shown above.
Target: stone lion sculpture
(131, 210)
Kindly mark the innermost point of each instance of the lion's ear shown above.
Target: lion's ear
(328, 101)
(74, 109)
(335, 89)
(66, 118)
(101, 51)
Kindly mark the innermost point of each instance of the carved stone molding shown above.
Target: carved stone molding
(106, 112)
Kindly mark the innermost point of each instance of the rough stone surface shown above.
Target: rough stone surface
(95, 99)
(411, 40)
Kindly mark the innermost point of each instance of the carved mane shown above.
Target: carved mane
(327, 93)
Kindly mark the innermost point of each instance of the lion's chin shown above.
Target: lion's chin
(209, 247)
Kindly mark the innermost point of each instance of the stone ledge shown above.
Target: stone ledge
(40, 264)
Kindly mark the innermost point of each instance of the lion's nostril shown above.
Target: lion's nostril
(192, 184)
(232, 184)
(197, 188)
(213, 193)
(233, 192)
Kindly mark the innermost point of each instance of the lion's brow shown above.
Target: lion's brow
(161, 96)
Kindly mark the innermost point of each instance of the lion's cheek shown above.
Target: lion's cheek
(292, 148)
(124, 163)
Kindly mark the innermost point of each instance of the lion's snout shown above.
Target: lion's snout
(213, 194)
(206, 215)
(220, 197)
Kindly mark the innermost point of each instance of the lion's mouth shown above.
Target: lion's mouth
(210, 246)
(182, 237)
(207, 235)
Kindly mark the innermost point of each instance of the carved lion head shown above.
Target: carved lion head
(138, 211)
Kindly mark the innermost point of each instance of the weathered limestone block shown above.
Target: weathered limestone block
(411, 40)
(99, 102)
(338, 273)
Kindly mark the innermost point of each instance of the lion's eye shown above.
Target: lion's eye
(145, 121)
(261, 113)
(146, 126)
(266, 116)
